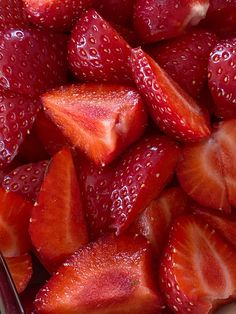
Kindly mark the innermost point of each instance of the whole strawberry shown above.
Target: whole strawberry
(11, 13)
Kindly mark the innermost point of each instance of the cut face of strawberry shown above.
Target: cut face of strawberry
(186, 54)
(97, 118)
(158, 20)
(32, 61)
(11, 14)
(97, 53)
(112, 275)
(175, 112)
(57, 226)
(15, 214)
(21, 270)
(198, 268)
(154, 223)
(17, 115)
(57, 14)
(26, 179)
(222, 75)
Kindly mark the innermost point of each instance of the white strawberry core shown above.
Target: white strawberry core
(197, 13)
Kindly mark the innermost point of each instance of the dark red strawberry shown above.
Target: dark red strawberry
(26, 180)
(156, 20)
(17, 115)
(14, 221)
(97, 118)
(117, 11)
(175, 112)
(27, 298)
(49, 134)
(21, 270)
(222, 78)
(56, 14)
(32, 61)
(97, 52)
(154, 223)
(139, 178)
(197, 271)
(112, 275)
(57, 226)
(11, 13)
(186, 54)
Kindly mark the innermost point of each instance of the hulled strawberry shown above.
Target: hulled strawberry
(97, 118)
(174, 111)
(222, 78)
(158, 20)
(112, 275)
(97, 53)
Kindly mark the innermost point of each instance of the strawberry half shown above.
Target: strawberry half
(158, 20)
(11, 13)
(21, 270)
(112, 275)
(14, 222)
(96, 52)
(57, 14)
(154, 223)
(175, 112)
(57, 226)
(97, 118)
(186, 54)
(32, 61)
(222, 76)
(17, 115)
(26, 179)
(197, 271)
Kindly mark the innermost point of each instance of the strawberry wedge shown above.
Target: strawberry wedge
(57, 226)
(175, 112)
(112, 275)
(197, 271)
(97, 118)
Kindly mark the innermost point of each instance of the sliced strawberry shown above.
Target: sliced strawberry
(175, 112)
(222, 76)
(186, 54)
(97, 52)
(55, 14)
(26, 180)
(117, 11)
(17, 115)
(32, 61)
(112, 275)
(225, 224)
(49, 134)
(157, 20)
(97, 118)
(198, 268)
(21, 270)
(154, 223)
(15, 214)
(57, 226)
(11, 13)
(139, 178)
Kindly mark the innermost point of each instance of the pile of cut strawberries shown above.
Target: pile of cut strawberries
(118, 154)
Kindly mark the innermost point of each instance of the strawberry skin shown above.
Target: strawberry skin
(17, 115)
(97, 118)
(32, 61)
(26, 180)
(11, 13)
(197, 270)
(15, 214)
(175, 112)
(21, 270)
(186, 54)
(57, 14)
(57, 225)
(112, 275)
(157, 20)
(96, 52)
(221, 76)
